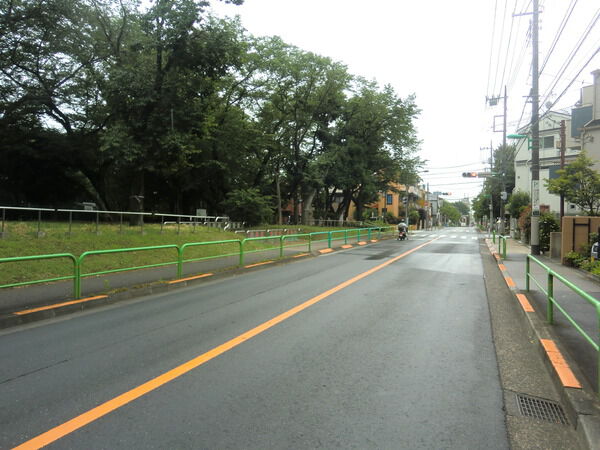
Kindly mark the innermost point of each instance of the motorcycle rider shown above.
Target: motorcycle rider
(402, 228)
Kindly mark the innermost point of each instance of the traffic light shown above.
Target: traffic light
(470, 174)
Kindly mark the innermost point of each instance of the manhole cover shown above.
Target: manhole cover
(541, 409)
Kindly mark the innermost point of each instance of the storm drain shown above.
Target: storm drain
(541, 409)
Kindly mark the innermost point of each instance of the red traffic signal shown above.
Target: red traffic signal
(470, 174)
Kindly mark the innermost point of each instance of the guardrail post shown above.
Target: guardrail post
(180, 261)
(358, 235)
(368, 234)
(281, 245)
(345, 237)
(242, 252)
(598, 355)
(77, 279)
(527, 270)
(550, 296)
(329, 239)
(494, 236)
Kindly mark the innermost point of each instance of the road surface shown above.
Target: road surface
(380, 346)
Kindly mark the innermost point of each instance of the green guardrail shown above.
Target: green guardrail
(502, 246)
(552, 303)
(74, 276)
(244, 247)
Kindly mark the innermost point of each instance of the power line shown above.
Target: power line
(572, 56)
(561, 28)
(452, 167)
(492, 46)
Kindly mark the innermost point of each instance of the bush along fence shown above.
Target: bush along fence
(181, 253)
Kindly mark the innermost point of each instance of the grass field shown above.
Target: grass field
(21, 239)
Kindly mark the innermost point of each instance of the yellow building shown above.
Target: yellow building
(391, 201)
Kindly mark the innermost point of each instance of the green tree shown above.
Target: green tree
(579, 183)
(517, 202)
(372, 145)
(462, 207)
(248, 205)
(303, 94)
(451, 213)
(481, 205)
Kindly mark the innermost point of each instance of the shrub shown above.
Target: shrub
(574, 259)
(525, 223)
(548, 224)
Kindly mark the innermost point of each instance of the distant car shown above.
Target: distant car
(594, 252)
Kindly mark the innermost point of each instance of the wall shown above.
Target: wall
(576, 231)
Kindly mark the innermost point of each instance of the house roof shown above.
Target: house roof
(592, 124)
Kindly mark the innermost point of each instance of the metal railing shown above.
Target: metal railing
(502, 246)
(552, 303)
(245, 246)
(180, 219)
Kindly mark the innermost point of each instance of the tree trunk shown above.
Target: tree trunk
(308, 211)
(136, 199)
(278, 187)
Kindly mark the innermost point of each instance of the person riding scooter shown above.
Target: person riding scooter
(402, 231)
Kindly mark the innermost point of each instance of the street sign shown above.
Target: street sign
(484, 174)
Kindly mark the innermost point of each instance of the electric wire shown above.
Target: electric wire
(508, 47)
(500, 46)
(561, 28)
(578, 73)
(492, 47)
(571, 57)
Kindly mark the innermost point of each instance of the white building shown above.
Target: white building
(582, 132)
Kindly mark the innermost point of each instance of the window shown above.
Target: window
(547, 142)
(388, 199)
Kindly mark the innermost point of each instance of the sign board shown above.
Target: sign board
(484, 174)
(535, 197)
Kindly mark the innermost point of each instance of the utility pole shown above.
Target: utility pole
(503, 185)
(563, 148)
(491, 196)
(535, 136)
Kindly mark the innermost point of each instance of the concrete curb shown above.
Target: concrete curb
(581, 404)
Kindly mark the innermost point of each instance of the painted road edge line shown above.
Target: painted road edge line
(258, 264)
(525, 303)
(195, 277)
(58, 305)
(107, 407)
(566, 375)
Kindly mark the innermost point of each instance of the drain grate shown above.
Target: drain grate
(541, 409)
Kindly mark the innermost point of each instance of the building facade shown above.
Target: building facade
(582, 133)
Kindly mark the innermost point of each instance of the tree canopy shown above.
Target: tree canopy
(579, 183)
(110, 100)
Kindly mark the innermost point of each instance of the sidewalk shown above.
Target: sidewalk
(579, 354)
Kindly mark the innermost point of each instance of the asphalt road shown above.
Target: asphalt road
(383, 350)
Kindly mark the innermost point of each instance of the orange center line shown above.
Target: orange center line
(93, 414)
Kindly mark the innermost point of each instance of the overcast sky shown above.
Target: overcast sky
(450, 54)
